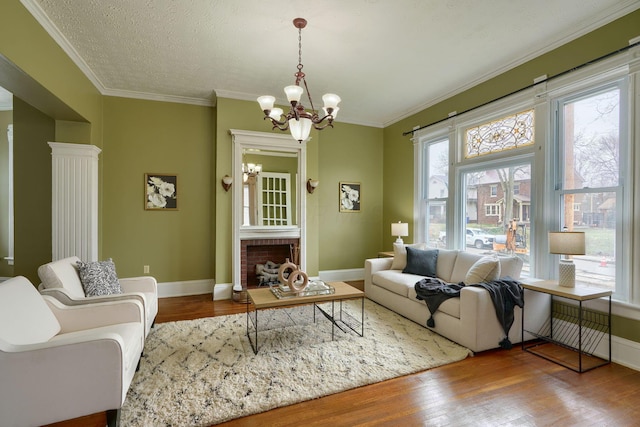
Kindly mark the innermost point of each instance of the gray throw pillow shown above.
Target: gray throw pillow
(421, 262)
(99, 278)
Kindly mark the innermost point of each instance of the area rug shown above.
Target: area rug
(203, 372)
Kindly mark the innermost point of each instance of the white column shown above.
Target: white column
(74, 178)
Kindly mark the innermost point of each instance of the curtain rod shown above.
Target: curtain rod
(525, 88)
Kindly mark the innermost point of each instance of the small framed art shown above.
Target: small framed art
(349, 193)
(160, 192)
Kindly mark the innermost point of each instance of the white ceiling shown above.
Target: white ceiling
(387, 59)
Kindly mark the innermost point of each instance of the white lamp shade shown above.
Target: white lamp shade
(567, 243)
(293, 92)
(330, 100)
(313, 183)
(300, 129)
(399, 229)
(276, 113)
(266, 102)
(227, 180)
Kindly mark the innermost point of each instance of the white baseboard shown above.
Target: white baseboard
(623, 351)
(342, 275)
(189, 287)
(222, 291)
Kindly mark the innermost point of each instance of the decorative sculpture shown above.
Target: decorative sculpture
(297, 279)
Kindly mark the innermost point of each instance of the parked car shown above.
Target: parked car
(474, 237)
(478, 239)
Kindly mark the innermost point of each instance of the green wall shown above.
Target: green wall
(350, 153)
(161, 138)
(6, 118)
(32, 130)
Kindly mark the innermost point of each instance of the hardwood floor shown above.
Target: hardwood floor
(493, 388)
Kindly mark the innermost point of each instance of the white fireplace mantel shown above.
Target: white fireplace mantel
(281, 142)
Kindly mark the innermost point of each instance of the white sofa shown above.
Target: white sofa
(60, 280)
(469, 320)
(59, 362)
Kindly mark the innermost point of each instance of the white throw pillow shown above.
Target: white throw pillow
(486, 269)
(400, 254)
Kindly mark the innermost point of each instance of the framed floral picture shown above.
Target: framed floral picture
(160, 192)
(349, 193)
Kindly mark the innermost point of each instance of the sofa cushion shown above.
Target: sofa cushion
(400, 254)
(464, 262)
(421, 262)
(486, 269)
(62, 273)
(511, 266)
(396, 281)
(446, 260)
(99, 278)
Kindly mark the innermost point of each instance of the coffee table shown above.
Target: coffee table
(262, 298)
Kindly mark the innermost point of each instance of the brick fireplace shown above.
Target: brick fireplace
(259, 251)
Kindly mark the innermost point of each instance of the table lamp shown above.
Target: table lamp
(567, 243)
(399, 229)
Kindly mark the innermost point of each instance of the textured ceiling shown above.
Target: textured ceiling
(385, 58)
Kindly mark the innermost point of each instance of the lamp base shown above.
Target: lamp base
(567, 273)
(399, 241)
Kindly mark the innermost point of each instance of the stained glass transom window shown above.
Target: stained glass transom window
(504, 134)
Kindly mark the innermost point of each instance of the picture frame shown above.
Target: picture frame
(349, 196)
(160, 192)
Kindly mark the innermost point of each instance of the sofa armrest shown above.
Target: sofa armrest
(144, 284)
(372, 266)
(87, 316)
(65, 375)
(65, 298)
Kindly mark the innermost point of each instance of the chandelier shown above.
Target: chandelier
(298, 120)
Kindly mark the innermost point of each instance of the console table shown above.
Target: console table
(571, 333)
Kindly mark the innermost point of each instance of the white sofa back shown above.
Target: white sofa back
(62, 273)
(25, 318)
(453, 265)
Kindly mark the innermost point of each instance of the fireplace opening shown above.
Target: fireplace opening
(261, 252)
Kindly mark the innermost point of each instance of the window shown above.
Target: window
(492, 210)
(513, 131)
(590, 176)
(493, 190)
(434, 205)
(506, 223)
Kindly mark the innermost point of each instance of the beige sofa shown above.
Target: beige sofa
(469, 320)
(60, 362)
(60, 280)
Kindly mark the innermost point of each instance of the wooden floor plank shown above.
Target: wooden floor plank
(496, 387)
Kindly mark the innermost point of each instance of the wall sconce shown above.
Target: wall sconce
(226, 182)
(311, 185)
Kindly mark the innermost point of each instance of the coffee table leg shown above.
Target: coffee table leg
(254, 347)
(333, 318)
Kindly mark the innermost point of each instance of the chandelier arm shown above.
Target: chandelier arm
(278, 125)
(328, 117)
(328, 124)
